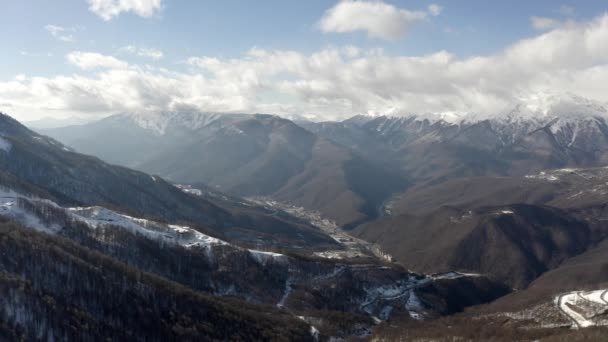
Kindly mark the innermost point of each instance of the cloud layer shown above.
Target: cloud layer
(332, 83)
(377, 19)
(108, 9)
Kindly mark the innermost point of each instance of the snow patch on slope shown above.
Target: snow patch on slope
(5, 145)
(414, 306)
(584, 308)
(528, 113)
(185, 236)
(563, 105)
(161, 122)
(288, 290)
(400, 291)
(11, 206)
(264, 257)
(189, 189)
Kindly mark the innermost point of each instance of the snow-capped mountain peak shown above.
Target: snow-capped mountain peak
(543, 107)
(540, 108)
(562, 105)
(159, 122)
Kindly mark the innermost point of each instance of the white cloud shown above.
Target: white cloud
(435, 10)
(108, 9)
(378, 19)
(93, 60)
(60, 33)
(332, 83)
(154, 54)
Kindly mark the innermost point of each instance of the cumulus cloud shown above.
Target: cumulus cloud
(154, 54)
(108, 9)
(60, 33)
(93, 60)
(332, 83)
(378, 19)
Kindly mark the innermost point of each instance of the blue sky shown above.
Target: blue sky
(228, 30)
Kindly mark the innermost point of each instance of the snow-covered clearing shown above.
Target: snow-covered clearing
(185, 236)
(263, 257)
(190, 190)
(584, 308)
(12, 206)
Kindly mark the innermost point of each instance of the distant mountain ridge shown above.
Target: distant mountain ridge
(49, 122)
(542, 133)
(347, 169)
(163, 123)
(246, 155)
(539, 107)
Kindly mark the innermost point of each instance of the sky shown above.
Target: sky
(320, 59)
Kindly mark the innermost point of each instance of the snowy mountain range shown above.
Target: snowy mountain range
(557, 113)
(265, 155)
(540, 107)
(321, 222)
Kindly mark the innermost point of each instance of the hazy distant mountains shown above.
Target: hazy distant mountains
(347, 169)
(548, 132)
(49, 123)
(247, 155)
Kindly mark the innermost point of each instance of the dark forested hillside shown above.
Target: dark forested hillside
(514, 243)
(53, 289)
